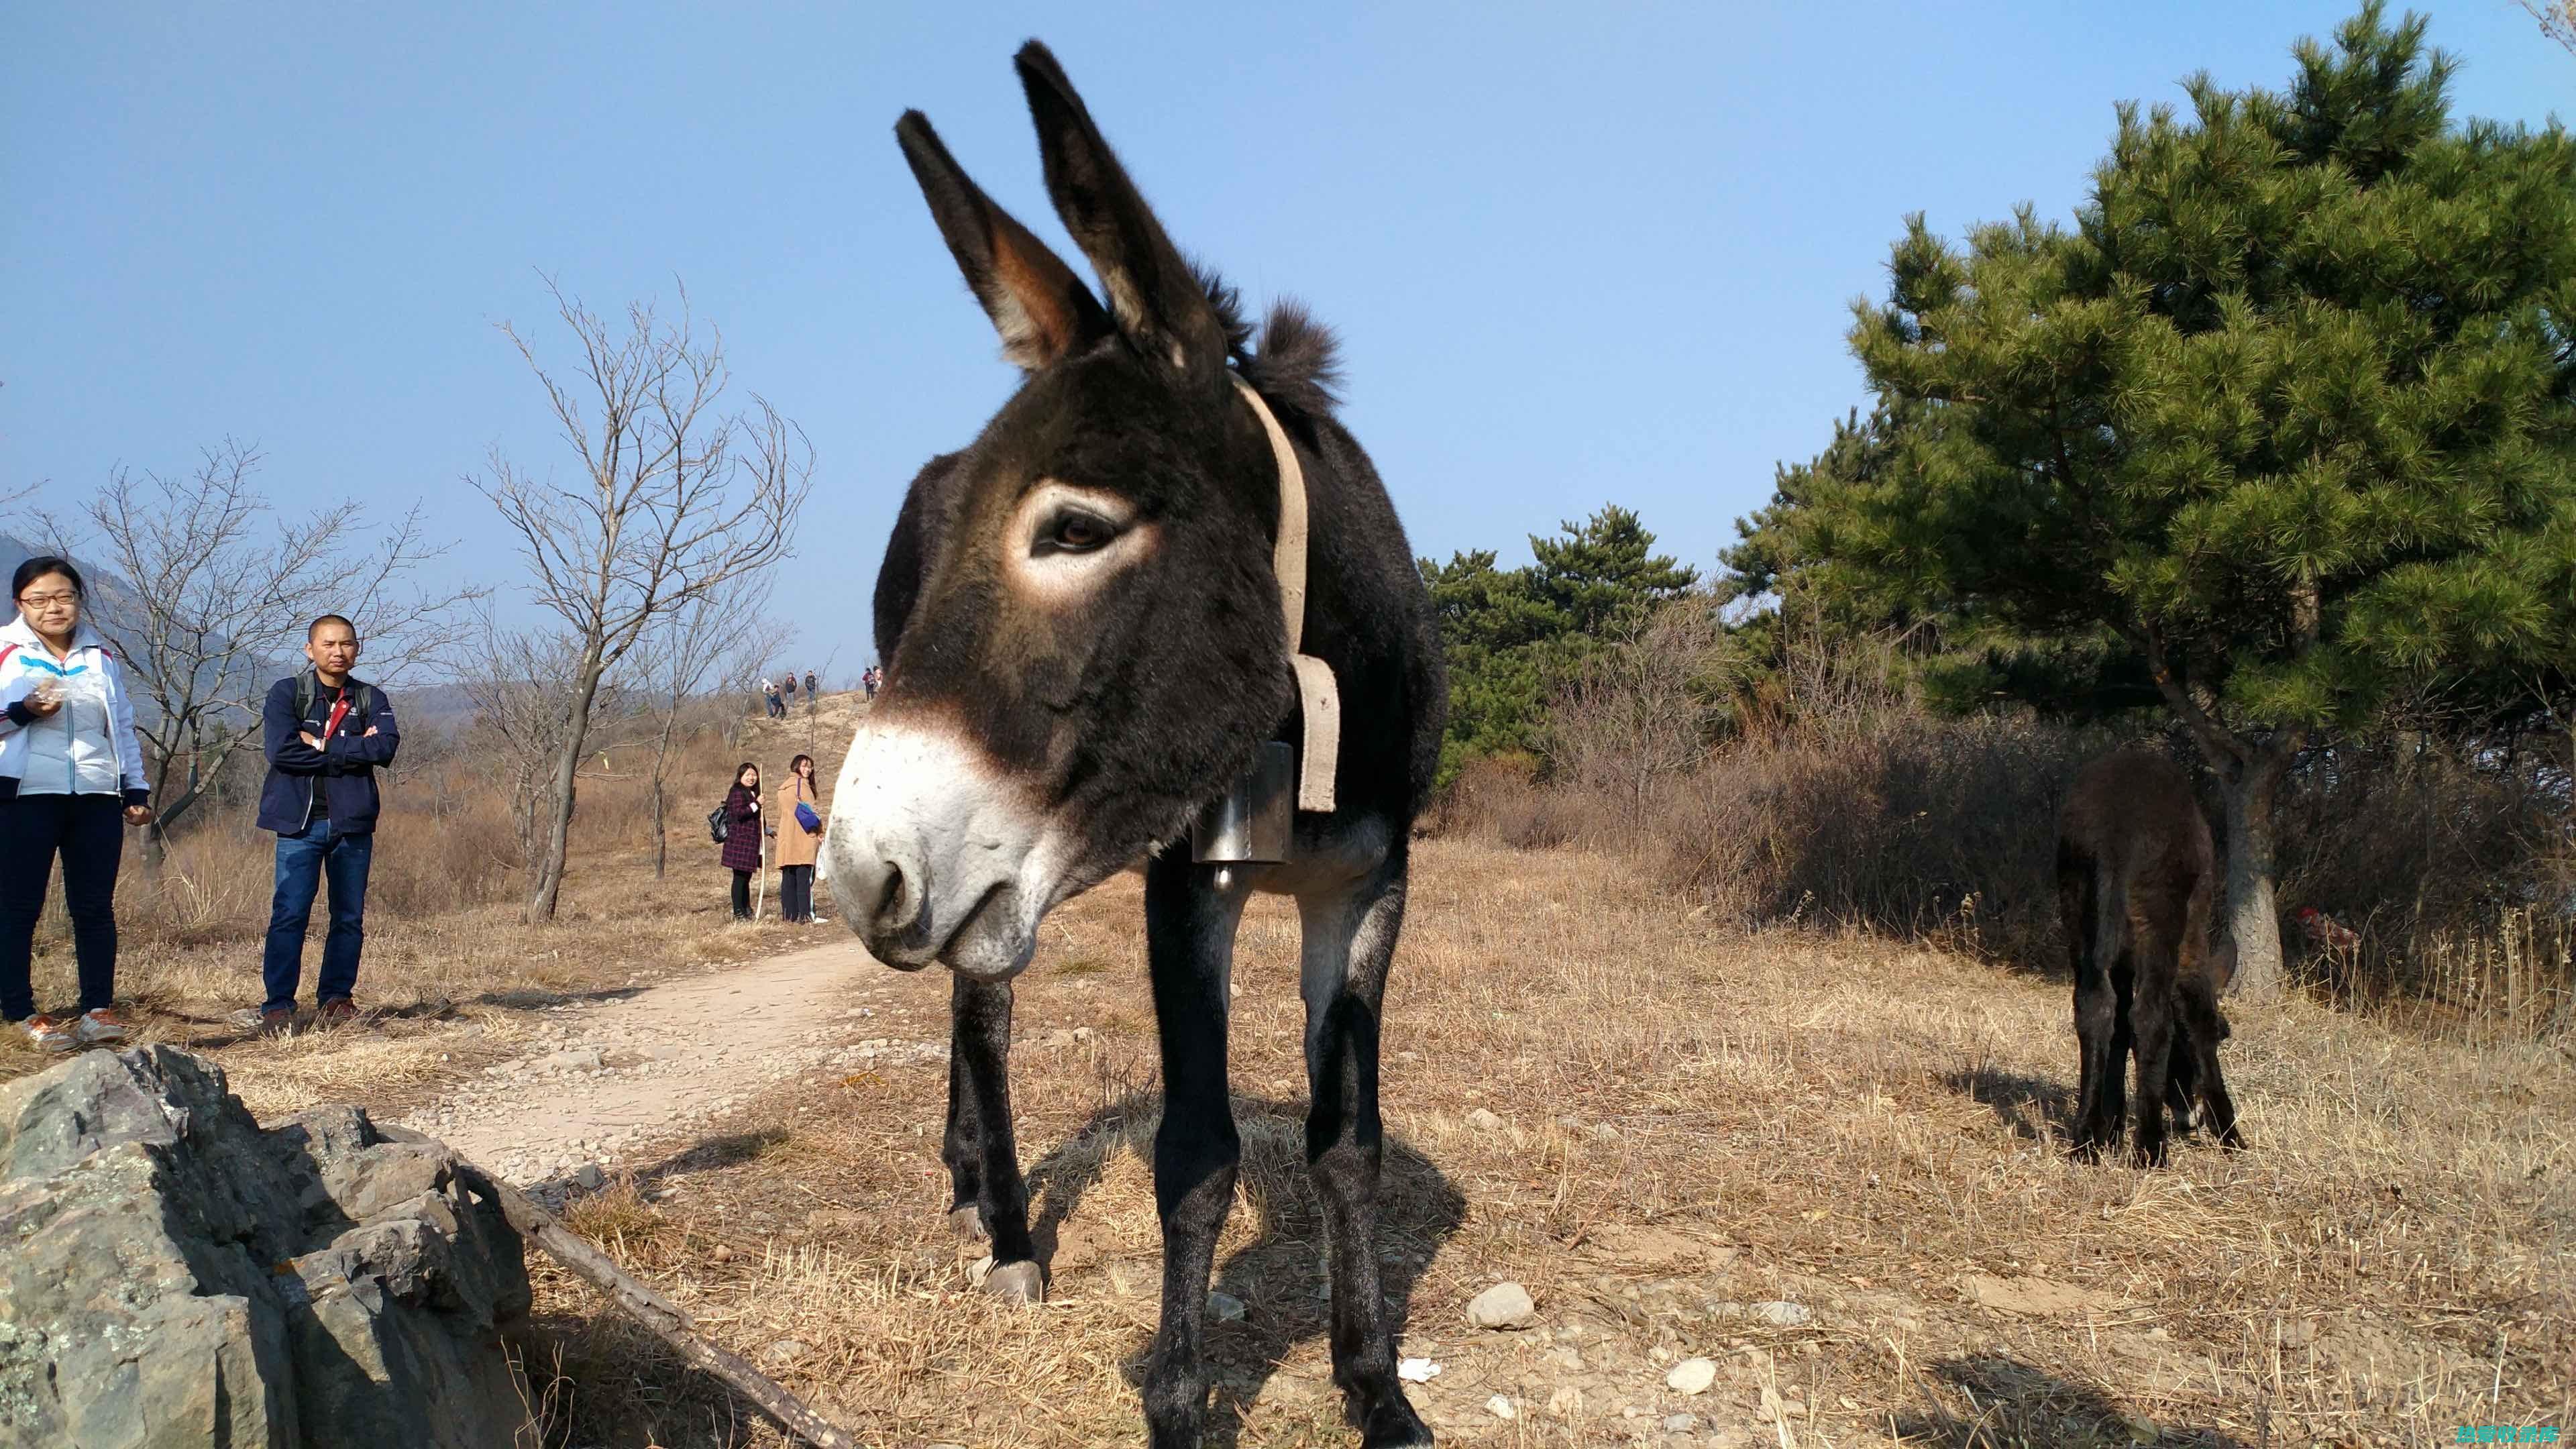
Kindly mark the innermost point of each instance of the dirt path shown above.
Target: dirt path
(608, 1082)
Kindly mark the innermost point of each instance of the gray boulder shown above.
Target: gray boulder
(173, 1277)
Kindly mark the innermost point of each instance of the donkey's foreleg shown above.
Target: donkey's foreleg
(1189, 949)
(988, 1195)
(1349, 939)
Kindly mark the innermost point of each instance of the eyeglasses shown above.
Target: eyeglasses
(46, 601)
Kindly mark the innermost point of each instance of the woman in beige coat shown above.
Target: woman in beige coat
(797, 845)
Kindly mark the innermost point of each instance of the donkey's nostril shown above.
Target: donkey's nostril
(890, 900)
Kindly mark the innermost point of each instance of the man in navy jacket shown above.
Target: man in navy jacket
(326, 732)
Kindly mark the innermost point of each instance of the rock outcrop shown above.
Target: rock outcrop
(172, 1276)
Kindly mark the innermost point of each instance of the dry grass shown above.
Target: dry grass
(1851, 1125)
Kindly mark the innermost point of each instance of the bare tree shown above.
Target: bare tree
(673, 500)
(520, 684)
(2557, 19)
(1643, 710)
(215, 590)
(715, 645)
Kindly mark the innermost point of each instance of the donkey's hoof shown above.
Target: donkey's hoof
(1393, 1425)
(1020, 1282)
(968, 1223)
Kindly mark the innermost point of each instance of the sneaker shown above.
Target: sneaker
(340, 1012)
(47, 1032)
(103, 1025)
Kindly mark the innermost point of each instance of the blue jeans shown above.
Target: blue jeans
(302, 861)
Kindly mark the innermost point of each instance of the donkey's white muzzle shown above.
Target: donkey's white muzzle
(928, 848)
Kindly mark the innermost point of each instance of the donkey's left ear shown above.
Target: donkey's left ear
(1159, 305)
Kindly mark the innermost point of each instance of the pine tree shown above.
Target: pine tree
(1514, 637)
(1500, 638)
(2287, 417)
(1604, 574)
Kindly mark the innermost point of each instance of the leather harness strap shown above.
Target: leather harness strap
(1319, 697)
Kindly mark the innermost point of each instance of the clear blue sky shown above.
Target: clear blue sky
(1576, 254)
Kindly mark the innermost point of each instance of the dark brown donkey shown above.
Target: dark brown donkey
(2134, 874)
(1082, 618)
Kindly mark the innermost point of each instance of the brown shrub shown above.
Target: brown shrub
(1841, 802)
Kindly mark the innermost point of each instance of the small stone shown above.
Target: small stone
(1680, 1423)
(1784, 1315)
(1416, 1370)
(722, 1254)
(1505, 1305)
(782, 1353)
(1484, 1121)
(1566, 1402)
(1501, 1408)
(590, 1177)
(1225, 1308)
(1692, 1376)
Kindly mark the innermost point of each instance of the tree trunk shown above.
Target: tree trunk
(550, 870)
(2253, 917)
(661, 767)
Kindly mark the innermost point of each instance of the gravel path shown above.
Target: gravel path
(621, 1079)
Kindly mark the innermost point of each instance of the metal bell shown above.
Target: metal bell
(1253, 822)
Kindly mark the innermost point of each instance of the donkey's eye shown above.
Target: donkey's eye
(1073, 531)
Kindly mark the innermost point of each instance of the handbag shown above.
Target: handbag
(806, 817)
(716, 828)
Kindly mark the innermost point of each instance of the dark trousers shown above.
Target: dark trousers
(742, 895)
(302, 862)
(88, 831)
(796, 893)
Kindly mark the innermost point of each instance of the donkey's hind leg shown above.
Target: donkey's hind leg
(2196, 1003)
(1349, 939)
(989, 1198)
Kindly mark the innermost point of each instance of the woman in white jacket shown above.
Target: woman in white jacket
(71, 773)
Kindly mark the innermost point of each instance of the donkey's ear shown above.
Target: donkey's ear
(1037, 303)
(1159, 304)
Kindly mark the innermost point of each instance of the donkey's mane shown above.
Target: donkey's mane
(1297, 363)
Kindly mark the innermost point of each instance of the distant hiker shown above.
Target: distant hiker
(868, 681)
(798, 841)
(70, 768)
(813, 692)
(769, 693)
(325, 732)
(742, 835)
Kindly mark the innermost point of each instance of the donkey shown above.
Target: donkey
(2134, 873)
(1088, 631)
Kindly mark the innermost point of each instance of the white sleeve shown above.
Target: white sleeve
(120, 724)
(15, 684)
